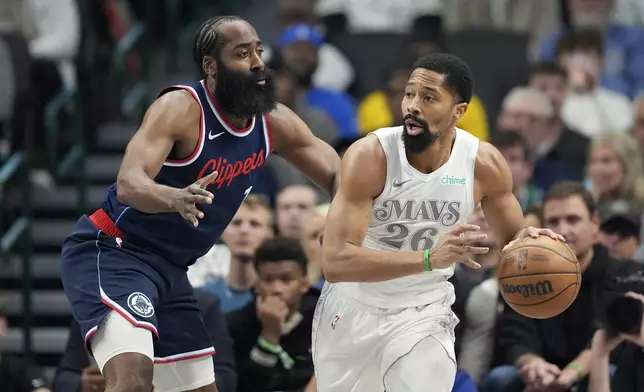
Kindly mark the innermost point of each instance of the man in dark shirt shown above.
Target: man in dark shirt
(76, 373)
(17, 375)
(272, 335)
(552, 354)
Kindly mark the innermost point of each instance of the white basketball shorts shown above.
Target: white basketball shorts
(359, 348)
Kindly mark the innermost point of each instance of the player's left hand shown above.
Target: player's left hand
(534, 232)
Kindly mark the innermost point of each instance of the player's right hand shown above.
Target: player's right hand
(458, 246)
(272, 312)
(186, 200)
(92, 380)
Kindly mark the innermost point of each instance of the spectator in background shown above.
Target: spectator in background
(620, 70)
(17, 375)
(272, 335)
(382, 108)
(334, 71)
(638, 124)
(615, 169)
(312, 230)
(299, 46)
(77, 370)
(531, 113)
(516, 152)
(589, 108)
(250, 226)
(534, 18)
(553, 353)
(368, 16)
(319, 122)
(293, 208)
(532, 216)
(561, 144)
(619, 230)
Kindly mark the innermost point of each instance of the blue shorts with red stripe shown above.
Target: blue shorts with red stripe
(102, 272)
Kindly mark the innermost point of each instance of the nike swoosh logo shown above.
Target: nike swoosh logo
(211, 136)
(399, 184)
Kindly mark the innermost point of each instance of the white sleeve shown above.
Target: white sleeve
(477, 346)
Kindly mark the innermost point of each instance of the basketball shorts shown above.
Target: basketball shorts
(104, 275)
(359, 348)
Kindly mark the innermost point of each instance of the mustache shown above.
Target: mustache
(416, 120)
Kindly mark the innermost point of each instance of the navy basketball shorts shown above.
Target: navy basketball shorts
(103, 273)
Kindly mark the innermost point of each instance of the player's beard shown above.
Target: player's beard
(239, 94)
(416, 144)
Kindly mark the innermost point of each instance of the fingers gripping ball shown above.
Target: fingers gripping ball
(539, 277)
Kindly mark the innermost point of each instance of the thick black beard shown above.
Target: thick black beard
(239, 95)
(416, 144)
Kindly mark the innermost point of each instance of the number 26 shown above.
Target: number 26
(420, 239)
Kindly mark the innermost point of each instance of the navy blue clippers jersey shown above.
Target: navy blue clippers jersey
(235, 154)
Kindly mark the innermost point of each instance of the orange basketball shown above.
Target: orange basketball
(539, 277)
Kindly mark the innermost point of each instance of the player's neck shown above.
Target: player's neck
(241, 276)
(435, 155)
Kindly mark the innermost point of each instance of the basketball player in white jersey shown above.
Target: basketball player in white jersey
(393, 233)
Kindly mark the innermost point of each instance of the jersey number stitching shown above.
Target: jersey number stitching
(420, 239)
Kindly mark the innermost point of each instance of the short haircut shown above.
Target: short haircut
(502, 140)
(458, 76)
(566, 189)
(259, 201)
(278, 249)
(208, 41)
(548, 68)
(584, 40)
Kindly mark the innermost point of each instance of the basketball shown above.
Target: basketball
(539, 277)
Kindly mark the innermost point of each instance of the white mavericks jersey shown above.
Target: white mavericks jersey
(412, 212)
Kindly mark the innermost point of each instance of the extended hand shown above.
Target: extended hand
(187, 198)
(458, 246)
(534, 232)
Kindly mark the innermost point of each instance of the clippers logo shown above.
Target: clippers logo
(334, 322)
(229, 170)
(140, 304)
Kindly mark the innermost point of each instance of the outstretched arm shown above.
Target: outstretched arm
(501, 208)
(169, 118)
(295, 142)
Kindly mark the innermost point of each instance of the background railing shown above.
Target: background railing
(14, 175)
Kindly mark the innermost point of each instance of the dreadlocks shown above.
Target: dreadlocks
(208, 40)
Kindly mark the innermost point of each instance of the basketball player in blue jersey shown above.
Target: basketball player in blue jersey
(184, 175)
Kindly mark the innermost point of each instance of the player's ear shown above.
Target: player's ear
(459, 110)
(209, 65)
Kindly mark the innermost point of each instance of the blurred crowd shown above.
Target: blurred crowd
(572, 133)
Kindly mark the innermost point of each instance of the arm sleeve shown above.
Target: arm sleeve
(478, 338)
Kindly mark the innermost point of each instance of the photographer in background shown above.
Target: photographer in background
(621, 323)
